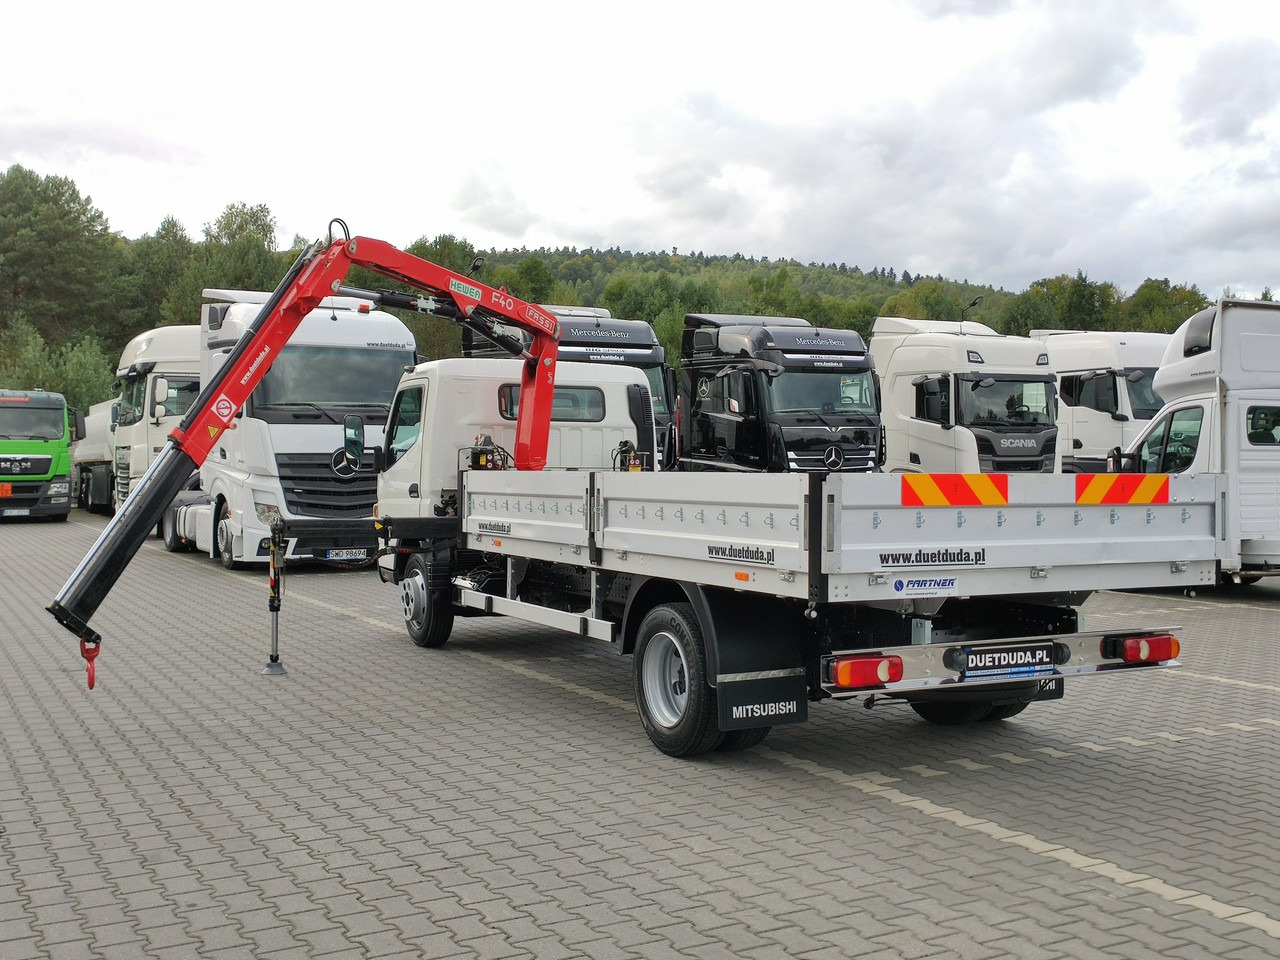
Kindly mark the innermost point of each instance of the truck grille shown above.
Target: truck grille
(312, 489)
(22, 465)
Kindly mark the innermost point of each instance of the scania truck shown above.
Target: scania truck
(36, 431)
(742, 601)
(960, 397)
(774, 394)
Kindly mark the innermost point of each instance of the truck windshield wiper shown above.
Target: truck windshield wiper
(307, 403)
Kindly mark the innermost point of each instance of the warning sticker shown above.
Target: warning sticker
(224, 409)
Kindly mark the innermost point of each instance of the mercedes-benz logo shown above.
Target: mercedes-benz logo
(340, 466)
(833, 458)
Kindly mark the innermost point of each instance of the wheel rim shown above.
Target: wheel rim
(664, 678)
(413, 598)
(224, 538)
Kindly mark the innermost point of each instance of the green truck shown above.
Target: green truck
(36, 431)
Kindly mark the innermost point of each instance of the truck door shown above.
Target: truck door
(931, 435)
(399, 489)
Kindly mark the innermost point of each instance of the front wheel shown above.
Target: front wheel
(428, 614)
(224, 538)
(677, 705)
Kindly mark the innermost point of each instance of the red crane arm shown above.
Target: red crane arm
(454, 295)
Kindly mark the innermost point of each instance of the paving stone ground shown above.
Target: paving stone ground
(497, 798)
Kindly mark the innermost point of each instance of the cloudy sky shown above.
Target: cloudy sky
(999, 141)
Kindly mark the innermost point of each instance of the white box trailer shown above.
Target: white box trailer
(1220, 379)
(1106, 393)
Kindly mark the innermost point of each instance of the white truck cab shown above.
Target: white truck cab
(961, 398)
(1220, 379)
(1105, 390)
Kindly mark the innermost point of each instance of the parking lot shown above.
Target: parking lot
(498, 797)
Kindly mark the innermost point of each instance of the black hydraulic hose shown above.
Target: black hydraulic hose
(102, 566)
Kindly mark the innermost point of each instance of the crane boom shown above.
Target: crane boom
(318, 272)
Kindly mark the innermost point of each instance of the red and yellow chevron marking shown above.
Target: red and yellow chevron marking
(1116, 488)
(955, 489)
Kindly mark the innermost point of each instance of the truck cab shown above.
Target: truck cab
(36, 432)
(962, 398)
(283, 457)
(593, 335)
(157, 379)
(1106, 393)
(774, 394)
(1220, 380)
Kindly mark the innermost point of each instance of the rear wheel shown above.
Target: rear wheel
(1003, 711)
(169, 533)
(952, 713)
(743, 739)
(428, 614)
(677, 706)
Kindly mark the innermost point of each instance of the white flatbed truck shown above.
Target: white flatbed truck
(742, 598)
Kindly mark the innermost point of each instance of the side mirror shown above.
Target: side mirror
(79, 425)
(159, 394)
(352, 440)
(1120, 462)
(115, 415)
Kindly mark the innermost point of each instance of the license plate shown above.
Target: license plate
(347, 554)
(1011, 662)
(16, 512)
(6, 489)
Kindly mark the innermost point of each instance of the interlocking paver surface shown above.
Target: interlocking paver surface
(497, 798)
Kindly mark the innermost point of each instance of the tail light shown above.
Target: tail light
(853, 673)
(1152, 649)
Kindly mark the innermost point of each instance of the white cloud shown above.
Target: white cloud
(995, 141)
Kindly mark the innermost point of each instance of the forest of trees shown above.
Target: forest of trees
(72, 292)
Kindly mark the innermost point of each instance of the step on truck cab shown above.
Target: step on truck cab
(593, 335)
(36, 432)
(283, 456)
(1220, 380)
(1105, 390)
(774, 394)
(961, 398)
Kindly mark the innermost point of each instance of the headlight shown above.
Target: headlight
(266, 513)
(60, 487)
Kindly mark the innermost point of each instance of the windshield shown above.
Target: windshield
(1142, 396)
(657, 389)
(23, 422)
(332, 376)
(822, 391)
(1011, 403)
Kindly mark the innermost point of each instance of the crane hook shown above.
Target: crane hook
(89, 652)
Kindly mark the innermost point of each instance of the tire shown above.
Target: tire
(1004, 711)
(952, 713)
(82, 492)
(169, 534)
(428, 614)
(677, 706)
(743, 739)
(224, 542)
